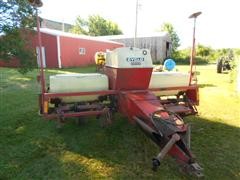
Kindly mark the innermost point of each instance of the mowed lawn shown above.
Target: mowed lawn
(32, 148)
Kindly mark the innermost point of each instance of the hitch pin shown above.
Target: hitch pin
(156, 161)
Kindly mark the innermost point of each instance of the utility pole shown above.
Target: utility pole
(136, 24)
(63, 26)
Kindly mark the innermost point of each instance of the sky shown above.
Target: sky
(218, 26)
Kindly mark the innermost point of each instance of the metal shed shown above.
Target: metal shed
(158, 43)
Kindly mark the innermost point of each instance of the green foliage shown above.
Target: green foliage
(204, 54)
(234, 71)
(203, 51)
(182, 56)
(95, 25)
(81, 26)
(237, 52)
(168, 27)
(14, 44)
(16, 16)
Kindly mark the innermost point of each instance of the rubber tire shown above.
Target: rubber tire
(227, 66)
(219, 66)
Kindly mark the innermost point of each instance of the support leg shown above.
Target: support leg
(156, 161)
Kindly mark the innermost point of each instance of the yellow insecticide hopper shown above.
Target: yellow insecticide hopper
(100, 59)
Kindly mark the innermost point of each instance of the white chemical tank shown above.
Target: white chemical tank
(65, 83)
(168, 79)
(129, 57)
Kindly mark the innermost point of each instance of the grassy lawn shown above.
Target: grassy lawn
(31, 148)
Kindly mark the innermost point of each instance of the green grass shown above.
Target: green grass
(31, 148)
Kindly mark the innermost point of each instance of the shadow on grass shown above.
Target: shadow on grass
(225, 72)
(206, 85)
(32, 149)
(11, 79)
(129, 152)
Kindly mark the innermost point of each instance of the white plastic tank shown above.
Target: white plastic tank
(129, 57)
(168, 79)
(65, 83)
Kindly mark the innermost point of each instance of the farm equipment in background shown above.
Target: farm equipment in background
(224, 63)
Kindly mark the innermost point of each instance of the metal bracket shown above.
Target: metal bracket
(156, 161)
(196, 170)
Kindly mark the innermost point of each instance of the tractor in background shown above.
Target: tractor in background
(224, 63)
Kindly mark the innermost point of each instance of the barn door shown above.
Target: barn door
(43, 56)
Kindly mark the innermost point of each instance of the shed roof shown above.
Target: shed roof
(154, 34)
(71, 35)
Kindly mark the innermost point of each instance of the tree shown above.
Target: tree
(81, 26)
(16, 17)
(167, 27)
(203, 51)
(95, 25)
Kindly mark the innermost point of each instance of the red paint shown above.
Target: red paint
(128, 78)
(49, 42)
(193, 95)
(70, 55)
(69, 48)
(179, 155)
(143, 105)
(140, 104)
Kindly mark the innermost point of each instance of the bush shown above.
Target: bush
(183, 57)
(233, 72)
(204, 54)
